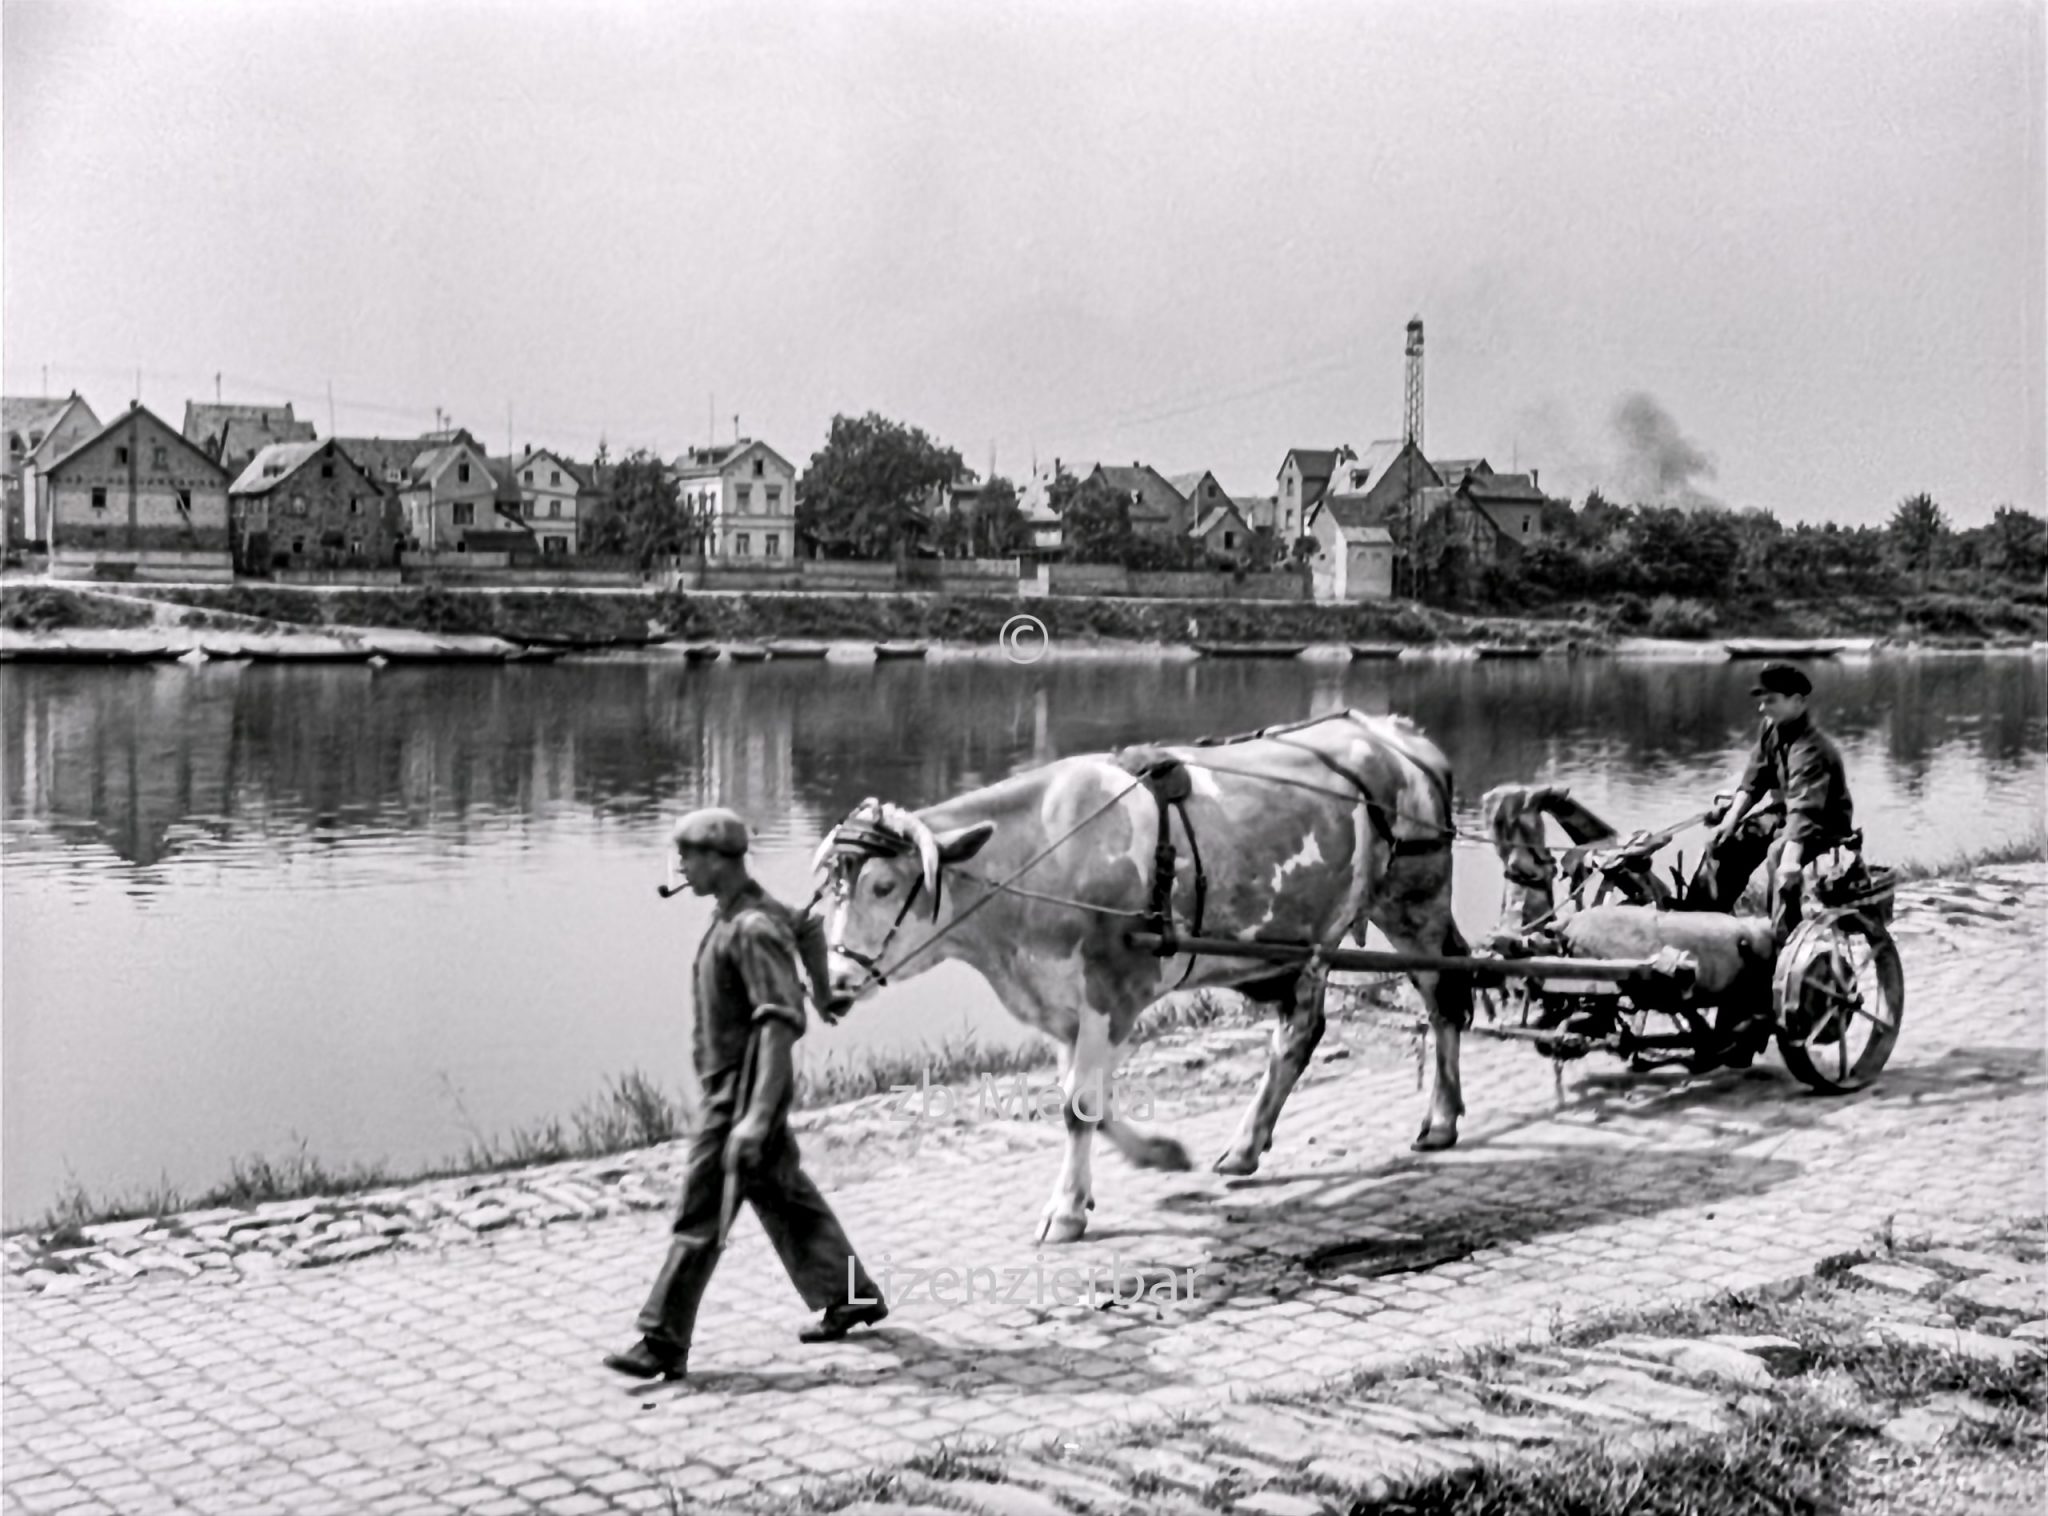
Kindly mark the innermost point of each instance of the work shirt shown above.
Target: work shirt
(1802, 764)
(746, 971)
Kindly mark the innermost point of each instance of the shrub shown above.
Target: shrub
(1669, 617)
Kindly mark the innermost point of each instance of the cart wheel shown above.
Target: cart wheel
(1840, 997)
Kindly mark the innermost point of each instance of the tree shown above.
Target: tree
(864, 493)
(996, 527)
(2016, 544)
(1095, 519)
(647, 518)
(1917, 529)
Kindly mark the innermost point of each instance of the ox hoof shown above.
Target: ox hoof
(1055, 1227)
(1236, 1161)
(1434, 1139)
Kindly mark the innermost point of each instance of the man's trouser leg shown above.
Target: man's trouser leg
(806, 1236)
(670, 1316)
(1729, 864)
(1786, 898)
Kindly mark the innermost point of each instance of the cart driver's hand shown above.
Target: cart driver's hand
(745, 1143)
(1717, 811)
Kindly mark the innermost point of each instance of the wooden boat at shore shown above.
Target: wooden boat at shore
(258, 652)
(798, 649)
(1767, 647)
(442, 652)
(1492, 650)
(887, 651)
(64, 653)
(747, 652)
(1251, 649)
(1376, 650)
(702, 652)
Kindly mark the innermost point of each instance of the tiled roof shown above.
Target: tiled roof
(1186, 484)
(378, 456)
(244, 437)
(1216, 516)
(24, 413)
(1315, 462)
(1354, 515)
(1453, 471)
(272, 466)
(1505, 489)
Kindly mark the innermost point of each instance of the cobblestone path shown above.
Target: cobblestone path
(468, 1380)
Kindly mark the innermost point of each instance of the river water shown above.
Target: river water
(379, 912)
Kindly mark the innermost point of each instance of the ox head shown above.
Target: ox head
(887, 888)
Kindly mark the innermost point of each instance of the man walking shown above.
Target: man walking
(1802, 765)
(746, 991)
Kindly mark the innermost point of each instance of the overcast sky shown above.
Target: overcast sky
(1811, 234)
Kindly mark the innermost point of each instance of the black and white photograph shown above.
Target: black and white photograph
(1083, 758)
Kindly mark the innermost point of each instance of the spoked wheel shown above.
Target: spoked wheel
(1840, 997)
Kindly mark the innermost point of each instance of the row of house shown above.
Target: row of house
(1369, 516)
(251, 489)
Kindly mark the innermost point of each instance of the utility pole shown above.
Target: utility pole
(735, 428)
(330, 408)
(216, 386)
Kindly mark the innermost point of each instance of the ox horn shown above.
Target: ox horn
(914, 831)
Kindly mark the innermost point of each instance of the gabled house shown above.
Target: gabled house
(452, 499)
(1303, 479)
(305, 505)
(1222, 530)
(745, 492)
(1511, 505)
(139, 500)
(388, 460)
(547, 490)
(233, 434)
(1157, 507)
(39, 430)
(1355, 548)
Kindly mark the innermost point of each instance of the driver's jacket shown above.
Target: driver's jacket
(1803, 765)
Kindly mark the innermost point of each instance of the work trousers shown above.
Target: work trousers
(806, 1235)
(1731, 862)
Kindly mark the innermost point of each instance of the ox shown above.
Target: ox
(1297, 833)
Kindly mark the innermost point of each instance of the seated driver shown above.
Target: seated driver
(1800, 766)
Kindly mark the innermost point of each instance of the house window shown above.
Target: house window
(298, 546)
(14, 444)
(462, 473)
(757, 468)
(465, 514)
(158, 458)
(121, 455)
(1229, 540)
(527, 477)
(185, 503)
(771, 545)
(743, 544)
(327, 470)
(99, 497)
(528, 510)
(746, 497)
(556, 546)
(555, 509)
(355, 547)
(775, 500)
(355, 506)
(554, 476)
(1525, 526)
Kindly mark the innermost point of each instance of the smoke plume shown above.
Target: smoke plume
(1655, 464)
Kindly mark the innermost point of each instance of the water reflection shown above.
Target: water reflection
(238, 762)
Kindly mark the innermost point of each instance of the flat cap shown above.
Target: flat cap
(715, 828)
(1781, 679)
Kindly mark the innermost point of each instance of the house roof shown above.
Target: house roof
(1215, 517)
(1186, 484)
(1314, 462)
(428, 466)
(231, 431)
(271, 467)
(1505, 489)
(25, 415)
(378, 456)
(1357, 518)
(703, 462)
(135, 410)
(1454, 471)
